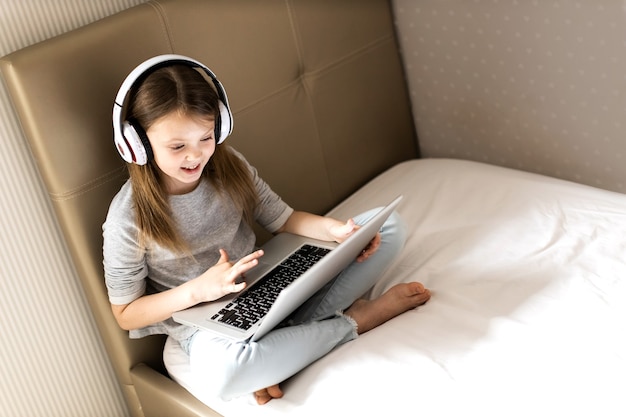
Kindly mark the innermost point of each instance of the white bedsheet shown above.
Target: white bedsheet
(527, 316)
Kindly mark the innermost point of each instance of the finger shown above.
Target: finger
(348, 227)
(234, 287)
(375, 243)
(247, 262)
(243, 266)
(341, 233)
(223, 256)
(254, 255)
(370, 249)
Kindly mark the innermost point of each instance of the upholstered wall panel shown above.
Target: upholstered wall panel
(51, 357)
(538, 85)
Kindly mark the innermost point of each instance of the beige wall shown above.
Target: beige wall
(537, 85)
(51, 359)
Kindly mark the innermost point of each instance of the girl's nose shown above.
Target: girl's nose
(193, 152)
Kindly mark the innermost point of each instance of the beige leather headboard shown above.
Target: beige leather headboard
(320, 107)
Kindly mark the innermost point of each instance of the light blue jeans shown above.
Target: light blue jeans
(230, 369)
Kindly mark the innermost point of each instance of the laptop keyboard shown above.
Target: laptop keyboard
(250, 306)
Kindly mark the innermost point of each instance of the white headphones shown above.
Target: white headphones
(131, 140)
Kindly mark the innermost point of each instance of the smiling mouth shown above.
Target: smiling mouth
(191, 168)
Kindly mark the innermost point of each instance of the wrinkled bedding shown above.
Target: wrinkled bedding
(527, 316)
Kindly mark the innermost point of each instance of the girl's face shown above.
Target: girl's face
(182, 146)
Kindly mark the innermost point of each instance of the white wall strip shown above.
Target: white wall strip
(51, 357)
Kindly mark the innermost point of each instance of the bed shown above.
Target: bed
(527, 315)
(528, 308)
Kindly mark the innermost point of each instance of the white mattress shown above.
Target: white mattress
(527, 316)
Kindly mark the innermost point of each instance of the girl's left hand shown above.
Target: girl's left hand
(343, 231)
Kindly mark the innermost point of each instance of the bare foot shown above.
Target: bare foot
(263, 396)
(369, 314)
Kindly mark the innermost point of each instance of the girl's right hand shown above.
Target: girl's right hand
(214, 283)
(224, 277)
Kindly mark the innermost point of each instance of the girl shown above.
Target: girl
(179, 233)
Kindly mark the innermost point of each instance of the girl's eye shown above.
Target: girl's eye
(208, 138)
(177, 147)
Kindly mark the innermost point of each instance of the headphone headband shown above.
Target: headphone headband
(130, 139)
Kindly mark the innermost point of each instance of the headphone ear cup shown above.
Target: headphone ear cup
(137, 142)
(224, 125)
(122, 146)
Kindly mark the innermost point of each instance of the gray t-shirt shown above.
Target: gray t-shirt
(207, 221)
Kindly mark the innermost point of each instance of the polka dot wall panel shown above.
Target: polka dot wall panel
(537, 85)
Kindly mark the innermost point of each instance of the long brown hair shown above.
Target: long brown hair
(180, 88)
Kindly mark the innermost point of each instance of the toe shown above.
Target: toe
(262, 396)
(274, 391)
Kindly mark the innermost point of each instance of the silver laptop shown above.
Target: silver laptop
(292, 269)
